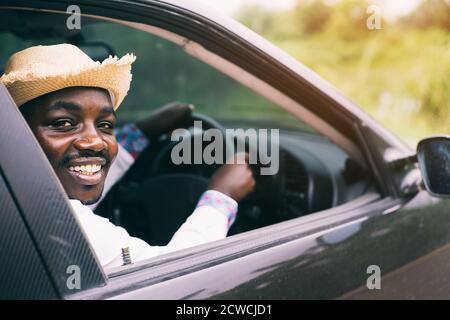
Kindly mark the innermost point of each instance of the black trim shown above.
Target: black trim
(42, 202)
(23, 274)
(374, 162)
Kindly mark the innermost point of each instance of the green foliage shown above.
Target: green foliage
(311, 17)
(400, 74)
(258, 19)
(430, 14)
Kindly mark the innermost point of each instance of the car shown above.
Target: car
(347, 214)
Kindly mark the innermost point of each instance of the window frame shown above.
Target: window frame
(205, 256)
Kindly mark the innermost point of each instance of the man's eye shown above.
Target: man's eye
(64, 124)
(106, 125)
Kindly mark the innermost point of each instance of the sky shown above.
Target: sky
(389, 8)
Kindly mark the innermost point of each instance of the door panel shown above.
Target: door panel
(409, 245)
(317, 265)
(23, 274)
(415, 252)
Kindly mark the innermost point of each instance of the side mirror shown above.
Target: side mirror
(433, 155)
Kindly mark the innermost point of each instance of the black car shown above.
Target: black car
(345, 216)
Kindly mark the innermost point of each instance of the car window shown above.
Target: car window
(164, 72)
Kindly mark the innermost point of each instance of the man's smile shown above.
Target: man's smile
(87, 170)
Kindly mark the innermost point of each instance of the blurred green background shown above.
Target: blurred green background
(400, 73)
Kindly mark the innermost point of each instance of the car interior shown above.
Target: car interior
(155, 196)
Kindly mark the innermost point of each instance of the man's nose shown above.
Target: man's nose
(90, 139)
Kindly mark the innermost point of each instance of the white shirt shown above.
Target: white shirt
(205, 224)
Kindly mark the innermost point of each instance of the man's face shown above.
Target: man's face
(74, 127)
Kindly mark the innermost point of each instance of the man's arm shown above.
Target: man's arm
(165, 119)
(135, 137)
(204, 225)
(210, 221)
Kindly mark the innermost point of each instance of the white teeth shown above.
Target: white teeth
(89, 169)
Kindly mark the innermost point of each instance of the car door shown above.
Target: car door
(325, 255)
(44, 254)
(329, 254)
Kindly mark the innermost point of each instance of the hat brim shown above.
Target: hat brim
(112, 74)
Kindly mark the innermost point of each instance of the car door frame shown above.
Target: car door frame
(44, 207)
(178, 265)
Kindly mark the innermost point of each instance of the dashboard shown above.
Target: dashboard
(314, 174)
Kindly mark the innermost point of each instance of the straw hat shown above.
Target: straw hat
(39, 70)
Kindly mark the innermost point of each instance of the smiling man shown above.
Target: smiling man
(69, 102)
(75, 127)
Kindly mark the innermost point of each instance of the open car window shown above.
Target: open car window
(313, 173)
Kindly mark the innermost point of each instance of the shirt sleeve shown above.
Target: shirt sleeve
(205, 224)
(132, 139)
(221, 202)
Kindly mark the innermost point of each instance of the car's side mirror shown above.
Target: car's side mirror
(433, 155)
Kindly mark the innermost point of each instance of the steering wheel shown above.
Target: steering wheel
(257, 209)
(162, 163)
(156, 196)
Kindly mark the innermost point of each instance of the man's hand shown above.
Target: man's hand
(234, 179)
(165, 119)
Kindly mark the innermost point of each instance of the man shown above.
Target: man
(134, 138)
(69, 102)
